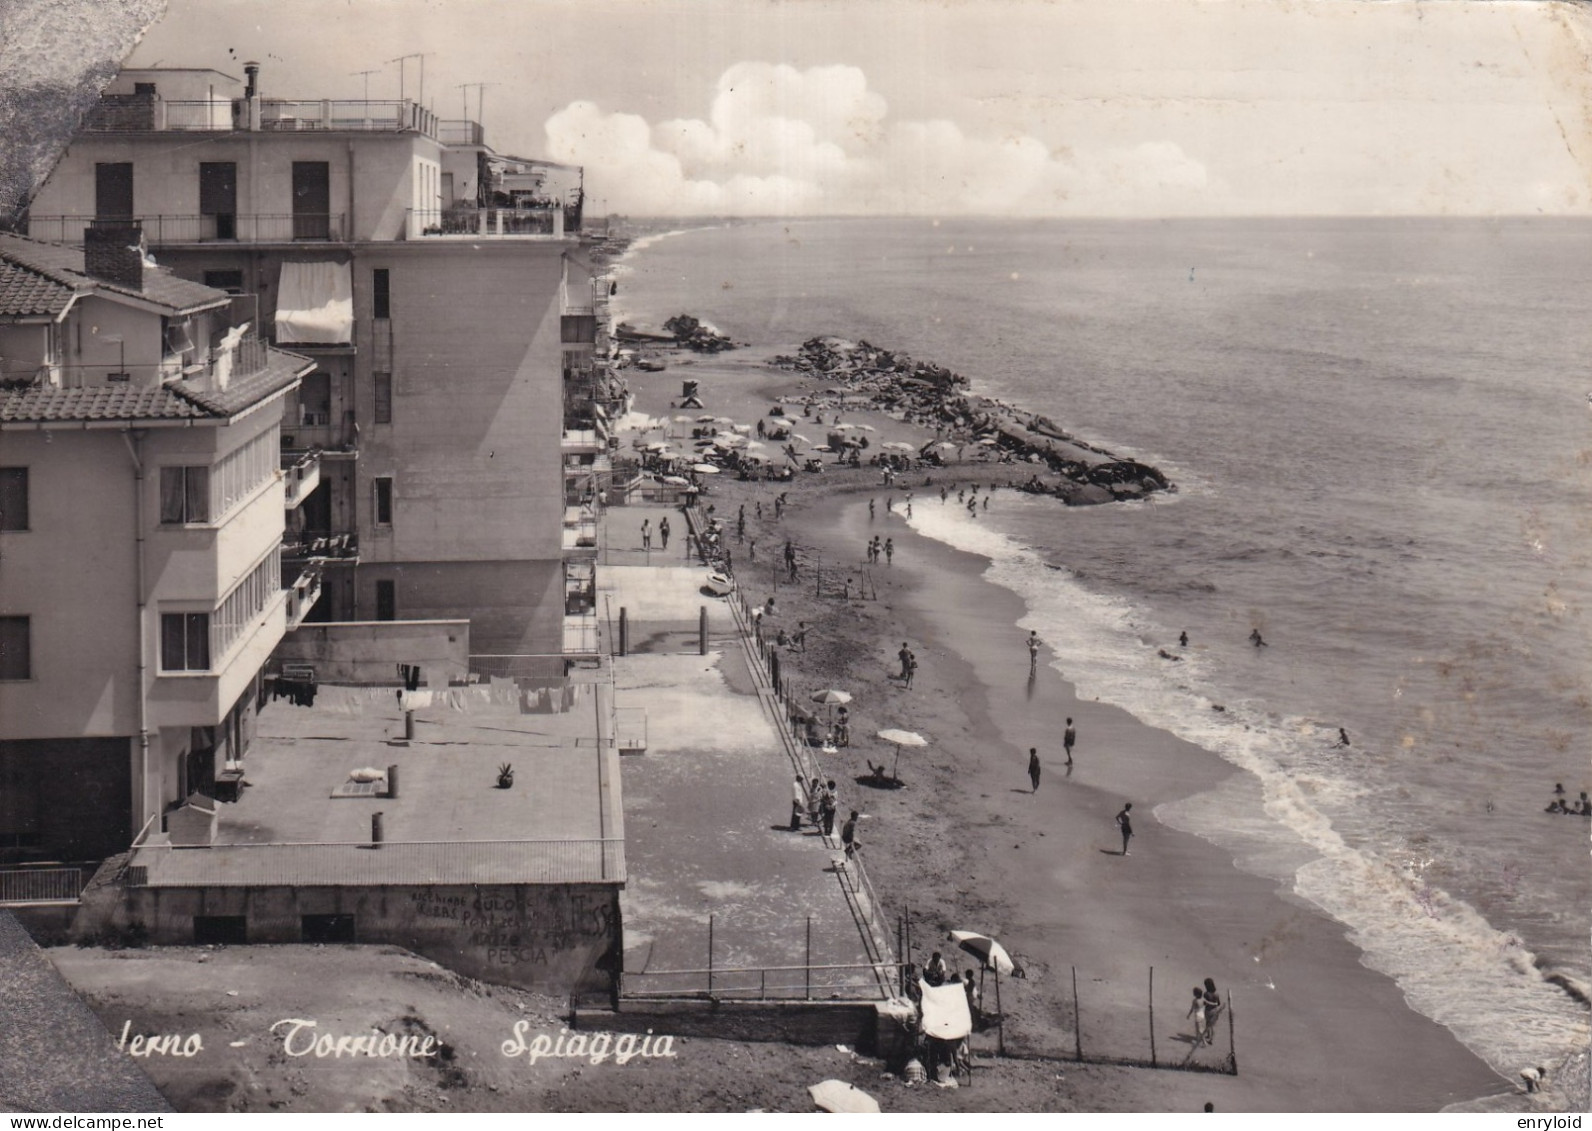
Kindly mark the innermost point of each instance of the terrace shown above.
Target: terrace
(170, 230)
(149, 113)
(303, 822)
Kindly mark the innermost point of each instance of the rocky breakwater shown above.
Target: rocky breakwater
(1077, 472)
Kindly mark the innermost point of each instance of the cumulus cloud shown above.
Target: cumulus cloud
(779, 141)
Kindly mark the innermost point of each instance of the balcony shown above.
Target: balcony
(485, 223)
(300, 477)
(582, 442)
(580, 636)
(460, 132)
(302, 594)
(579, 533)
(320, 547)
(145, 113)
(225, 228)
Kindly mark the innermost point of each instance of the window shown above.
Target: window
(16, 648)
(218, 198)
(386, 600)
(113, 190)
(229, 281)
(381, 293)
(383, 398)
(312, 200)
(384, 501)
(13, 498)
(185, 642)
(184, 494)
(247, 599)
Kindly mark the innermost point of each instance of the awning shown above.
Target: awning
(315, 303)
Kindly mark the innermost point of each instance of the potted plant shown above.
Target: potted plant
(505, 776)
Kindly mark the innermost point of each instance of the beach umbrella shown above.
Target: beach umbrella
(989, 440)
(704, 468)
(744, 429)
(867, 427)
(724, 420)
(832, 697)
(799, 436)
(898, 739)
(682, 420)
(676, 481)
(839, 1096)
(704, 420)
(991, 953)
(655, 446)
(897, 446)
(755, 445)
(844, 427)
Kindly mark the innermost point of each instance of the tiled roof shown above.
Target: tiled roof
(176, 401)
(25, 291)
(64, 265)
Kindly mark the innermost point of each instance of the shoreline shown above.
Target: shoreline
(1326, 1034)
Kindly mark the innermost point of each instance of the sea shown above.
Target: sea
(1381, 435)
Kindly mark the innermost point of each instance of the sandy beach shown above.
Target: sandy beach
(967, 844)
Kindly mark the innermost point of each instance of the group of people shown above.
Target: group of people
(1583, 806)
(815, 802)
(877, 548)
(646, 532)
(1205, 1009)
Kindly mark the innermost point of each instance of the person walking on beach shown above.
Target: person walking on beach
(1033, 768)
(1068, 737)
(1033, 652)
(798, 804)
(870, 510)
(912, 668)
(889, 504)
(663, 529)
(1125, 823)
(1196, 1010)
(848, 835)
(905, 656)
(646, 534)
(1182, 639)
(889, 551)
(827, 807)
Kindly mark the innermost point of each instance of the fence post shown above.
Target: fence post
(710, 956)
(624, 631)
(702, 630)
(1152, 1018)
(1077, 1017)
(1232, 1048)
(808, 967)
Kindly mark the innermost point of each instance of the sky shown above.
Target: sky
(969, 107)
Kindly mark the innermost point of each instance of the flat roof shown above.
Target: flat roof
(560, 822)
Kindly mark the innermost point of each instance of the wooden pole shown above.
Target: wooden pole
(808, 969)
(1077, 1017)
(710, 956)
(702, 631)
(1232, 1049)
(1152, 1017)
(1000, 1035)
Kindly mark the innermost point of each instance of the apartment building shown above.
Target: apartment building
(438, 288)
(142, 513)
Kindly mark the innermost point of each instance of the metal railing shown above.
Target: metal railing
(135, 113)
(855, 981)
(459, 131)
(489, 222)
(506, 666)
(329, 546)
(43, 884)
(163, 229)
(341, 864)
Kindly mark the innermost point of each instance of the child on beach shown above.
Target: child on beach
(1125, 823)
(1068, 737)
(1197, 1011)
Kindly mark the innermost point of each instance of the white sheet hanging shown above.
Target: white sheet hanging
(315, 303)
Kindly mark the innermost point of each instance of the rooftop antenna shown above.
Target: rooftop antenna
(366, 74)
(480, 98)
(421, 55)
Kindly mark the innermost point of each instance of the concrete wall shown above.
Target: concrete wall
(368, 651)
(515, 608)
(547, 938)
(473, 447)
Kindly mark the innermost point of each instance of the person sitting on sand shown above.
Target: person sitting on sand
(876, 774)
(1343, 738)
(935, 971)
(1534, 1078)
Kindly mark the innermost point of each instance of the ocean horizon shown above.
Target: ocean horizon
(1377, 430)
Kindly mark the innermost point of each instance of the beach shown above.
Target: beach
(966, 844)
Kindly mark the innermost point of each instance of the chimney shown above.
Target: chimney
(253, 71)
(251, 97)
(113, 250)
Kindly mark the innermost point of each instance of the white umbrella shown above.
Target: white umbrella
(844, 427)
(898, 446)
(682, 420)
(676, 481)
(755, 445)
(744, 429)
(832, 697)
(799, 436)
(839, 1096)
(704, 420)
(898, 739)
(724, 420)
(704, 468)
(867, 427)
(986, 950)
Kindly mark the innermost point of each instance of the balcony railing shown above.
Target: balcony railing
(48, 884)
(143, 113)
(331, 547)
(478, 223)
(240, 227)
(301, 477)
(391, 862)
(459, 132)
(303, 592)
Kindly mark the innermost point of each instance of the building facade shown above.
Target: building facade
(142, 512)
(436, 285)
